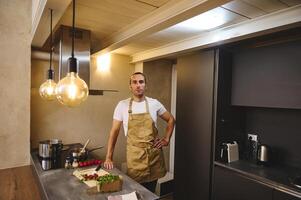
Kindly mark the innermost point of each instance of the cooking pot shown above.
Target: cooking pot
(263, 154)
(50, 148)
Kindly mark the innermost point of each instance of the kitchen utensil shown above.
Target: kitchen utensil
(50, 153)
(98, 167)
(46, 163)
(85, 155)
(263, 154)
(45, 149)
(84, 148)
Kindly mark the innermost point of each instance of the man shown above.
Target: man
(138, 114)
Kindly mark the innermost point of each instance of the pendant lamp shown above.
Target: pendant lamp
(47, 89)
(72, 90)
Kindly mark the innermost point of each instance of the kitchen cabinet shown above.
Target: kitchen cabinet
(267, 76)
(229, 185)
(193, 149)
(278, 195)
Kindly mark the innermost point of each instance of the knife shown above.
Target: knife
(98, 167)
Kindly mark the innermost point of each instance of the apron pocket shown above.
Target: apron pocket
(137, 158)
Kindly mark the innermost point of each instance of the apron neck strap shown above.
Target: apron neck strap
(131, 103)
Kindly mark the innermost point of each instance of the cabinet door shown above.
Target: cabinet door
(195, 75)
(229, 185)
(278, 195)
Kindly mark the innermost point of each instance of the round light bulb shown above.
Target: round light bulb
(47, 90)
(72, 90)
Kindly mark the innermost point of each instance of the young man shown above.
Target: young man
(138, 114)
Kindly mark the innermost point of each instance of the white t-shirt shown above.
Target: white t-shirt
(121, 111)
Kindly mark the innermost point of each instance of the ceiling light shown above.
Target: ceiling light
(47, 89)
(72, 90)
(103, 62)
(205, 21)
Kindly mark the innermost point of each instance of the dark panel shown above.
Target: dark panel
(283, 196)
(228, 185)
(230, 121)
(193, 129)
(268, 76)
(280, 129)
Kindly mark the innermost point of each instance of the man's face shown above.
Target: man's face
(137, 85)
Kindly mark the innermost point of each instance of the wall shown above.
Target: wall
(15, 23)
(92, 119)
(159, 75)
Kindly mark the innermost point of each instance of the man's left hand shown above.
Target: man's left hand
(160, 142)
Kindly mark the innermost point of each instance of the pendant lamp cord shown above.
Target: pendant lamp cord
(73, 29)
(51, 49)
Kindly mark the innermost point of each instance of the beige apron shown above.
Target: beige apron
(144, 162)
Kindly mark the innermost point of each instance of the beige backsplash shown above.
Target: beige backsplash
(92, 119)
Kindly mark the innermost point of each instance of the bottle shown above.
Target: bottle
(75, 163)
(68, 162)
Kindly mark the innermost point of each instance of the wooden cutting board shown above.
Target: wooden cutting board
(91, 183)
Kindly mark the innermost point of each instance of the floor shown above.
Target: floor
(19, 184)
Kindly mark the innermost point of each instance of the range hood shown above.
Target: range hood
(62, 50)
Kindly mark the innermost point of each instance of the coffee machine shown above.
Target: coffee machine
(50, 153)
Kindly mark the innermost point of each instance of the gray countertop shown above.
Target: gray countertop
(60, 184)
(272, 176)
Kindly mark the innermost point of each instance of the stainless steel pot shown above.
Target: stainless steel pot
(45, 149)
(46, 163)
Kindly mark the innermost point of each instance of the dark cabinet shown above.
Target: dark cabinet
(267, 76)
(278, 195)
(229, 185)
(193, 149)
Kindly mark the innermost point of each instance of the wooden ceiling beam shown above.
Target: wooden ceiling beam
(270, 23)
(169, 14)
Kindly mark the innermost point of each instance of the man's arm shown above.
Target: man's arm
(166, 116)
(108, 164)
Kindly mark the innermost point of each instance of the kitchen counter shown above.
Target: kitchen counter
(60, 184)
(274, 177)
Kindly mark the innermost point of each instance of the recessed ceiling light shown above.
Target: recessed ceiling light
(205, 21)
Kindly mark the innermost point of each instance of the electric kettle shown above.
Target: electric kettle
(263, 154)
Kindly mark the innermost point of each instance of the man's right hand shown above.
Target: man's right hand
(108, 164)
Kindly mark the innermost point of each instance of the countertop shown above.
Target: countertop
(60, 184)
(275, 177)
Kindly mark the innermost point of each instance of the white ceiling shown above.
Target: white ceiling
(110, 20)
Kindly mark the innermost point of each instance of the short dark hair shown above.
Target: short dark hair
(138, 73)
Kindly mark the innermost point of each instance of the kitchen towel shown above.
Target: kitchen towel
(130, 196)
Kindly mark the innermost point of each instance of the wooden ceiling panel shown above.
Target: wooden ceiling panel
(131, 8)
(267, 5)
(156, 3)
(245, 9)
(106, 16)
(291, 2)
